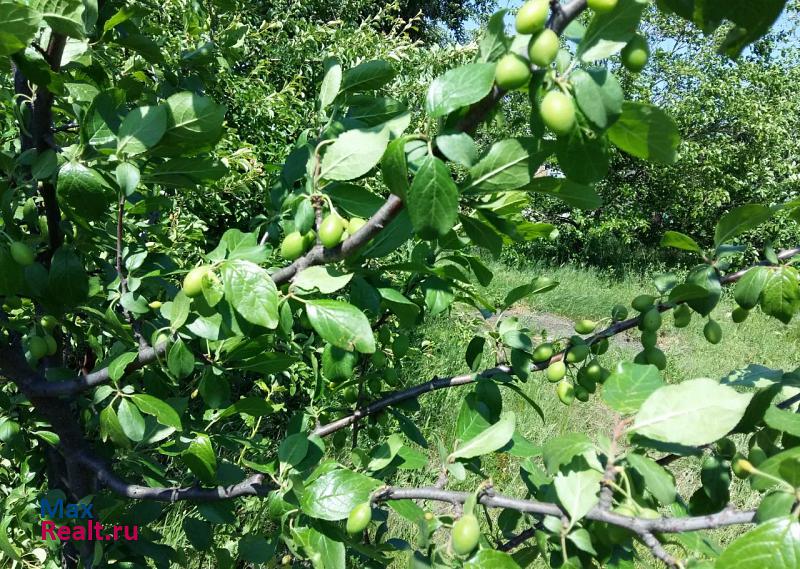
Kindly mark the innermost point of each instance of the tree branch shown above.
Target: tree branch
(638, 525)
(320, 255)
(458, 380)
(658, 550)
(252, 486)
(40, 387)
(410, 393)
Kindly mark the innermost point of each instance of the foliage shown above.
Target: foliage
(737, 147)
(211, 370)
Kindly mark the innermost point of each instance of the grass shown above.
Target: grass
(584, 293)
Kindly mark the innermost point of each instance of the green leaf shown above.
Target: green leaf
(658, 480)
(180, 360)
(474, 353)
(584, 160)
(201, 460)
(141, 129)
(458, 88)
(608, 33)
(238, 245)
(368, 76)
(774, 544)
(474, 417)
(110, 427)
(251, 291)
(341, 324)
(18, 25)
(509, 164)
(323, 551)
(83, 191)
(395, 168)
(373, 111)
(438, 295)
(458, 148)
(179, 310)
(598, 95)
(489, 440)
(354, 153)
(63, 16)
(433, 199)
(706, 277)
(405, 310)
(491, 559)
(574, 194)
(252, 406)
(678, 240)
(383, 455)
(116, 369)
(494, 42)
(127, 176)
(777, 466)
(785, 420)
(331, 82)
(325, 279)
(749, 288)
(334, 494)
(781, 295)
(6, 545)
(739, 220)
(162, 411)
(578, 492)
(647, 132)
(355, 200)
(257, 550)
(45, 165)
(194, 122)
(539, 285)
(629, 386)
(198, 533)
(186, 172)
(293, 449)
(130, 420)
(692, 413)
(68, 283)
(482, 235)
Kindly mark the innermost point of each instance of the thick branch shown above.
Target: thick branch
(38, 387)
(638, 525)
(564, 14)
(252, 486)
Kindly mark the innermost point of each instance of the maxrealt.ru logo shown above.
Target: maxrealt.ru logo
(84, 528)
